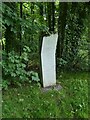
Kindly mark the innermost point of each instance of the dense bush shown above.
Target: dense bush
(79, 63)
(14, 68)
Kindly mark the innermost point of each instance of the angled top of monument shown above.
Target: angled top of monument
(51, 35)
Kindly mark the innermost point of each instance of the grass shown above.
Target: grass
(29, 101)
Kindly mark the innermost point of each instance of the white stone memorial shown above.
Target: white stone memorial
(48, 60)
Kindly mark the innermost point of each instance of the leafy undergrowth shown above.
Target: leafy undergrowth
(30, 101)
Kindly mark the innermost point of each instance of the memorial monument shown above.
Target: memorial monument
(48, 60)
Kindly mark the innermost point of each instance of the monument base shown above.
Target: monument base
(54, 87)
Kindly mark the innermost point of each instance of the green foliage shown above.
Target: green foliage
(34, 76)
(17, 32)
(5, 84)
(61, 62)
(30, 26)
(75, 39)
(32, 23)
(14, 67)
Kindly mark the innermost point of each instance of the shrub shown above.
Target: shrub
(14, 68)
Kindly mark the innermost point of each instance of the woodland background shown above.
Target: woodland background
(23, 26)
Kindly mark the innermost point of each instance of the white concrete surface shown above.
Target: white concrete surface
(48, 60)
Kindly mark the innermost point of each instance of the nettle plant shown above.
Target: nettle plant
(14, 68)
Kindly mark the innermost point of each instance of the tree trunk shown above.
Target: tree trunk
(74, 42)
(53, 16)
(49, 8)
(89, 37)
(9, 35)
(32, 13)
(21, 28)
(61, 28)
